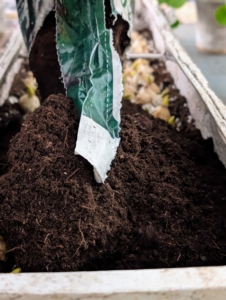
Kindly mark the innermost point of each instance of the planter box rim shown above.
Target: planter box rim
(114, 284)
(156, 284)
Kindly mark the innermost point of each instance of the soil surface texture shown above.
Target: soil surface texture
(163, 204)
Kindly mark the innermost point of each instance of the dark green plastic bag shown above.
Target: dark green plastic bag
(91, 69)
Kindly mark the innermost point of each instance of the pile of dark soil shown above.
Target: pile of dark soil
(162, 205)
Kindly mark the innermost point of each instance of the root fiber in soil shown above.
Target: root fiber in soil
(163, 204)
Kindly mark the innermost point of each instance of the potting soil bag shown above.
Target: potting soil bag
(32, 14)
(91, 70)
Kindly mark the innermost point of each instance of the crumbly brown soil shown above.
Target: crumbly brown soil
(163, 204)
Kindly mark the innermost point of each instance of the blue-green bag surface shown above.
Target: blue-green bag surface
(91, 70)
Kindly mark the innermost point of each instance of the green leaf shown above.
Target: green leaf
(173, 3)
(220, 15)
(176, 3)
(175, 24)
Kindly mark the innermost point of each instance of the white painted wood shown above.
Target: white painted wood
(180, 284)
(176, 284)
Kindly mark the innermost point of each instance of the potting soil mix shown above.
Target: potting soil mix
(90, 68)
(162, 205)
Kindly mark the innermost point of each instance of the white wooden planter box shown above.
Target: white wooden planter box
(181, 284)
